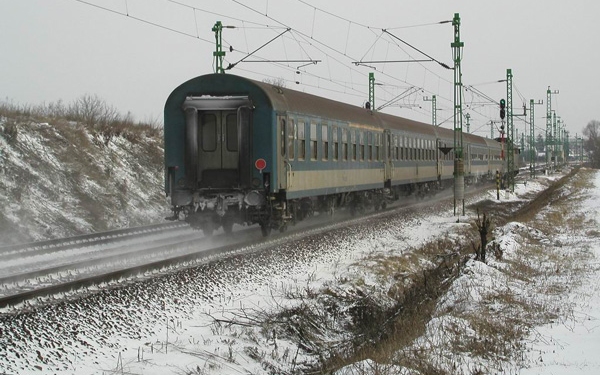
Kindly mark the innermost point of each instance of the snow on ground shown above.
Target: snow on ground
(571, 343)
(541, 293)
(193, 323)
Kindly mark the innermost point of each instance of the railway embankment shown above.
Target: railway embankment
(61, 177)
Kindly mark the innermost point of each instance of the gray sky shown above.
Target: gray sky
(61, 49)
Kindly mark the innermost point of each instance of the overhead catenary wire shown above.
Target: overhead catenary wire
(194, 9)
(144, 21)
(302, 39)
(310, 38)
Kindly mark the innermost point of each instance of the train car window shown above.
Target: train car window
(313, 141)
(402, 149)
(353, 142)
(232, 132)
(336, 145)
(345, 144)
(378, 146)
(325, 140)
(291, 134)
(431, 151)
(417, 149)
(361, 140)
(283, 140)
(209, 132)
(370, 146)
(301, 141)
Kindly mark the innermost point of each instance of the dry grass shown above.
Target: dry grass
(88, 110)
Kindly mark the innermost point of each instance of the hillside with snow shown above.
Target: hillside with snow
(62, 178)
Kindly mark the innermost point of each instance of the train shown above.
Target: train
(240, 151)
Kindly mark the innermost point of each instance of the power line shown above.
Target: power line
(144, 21)
(310, 40)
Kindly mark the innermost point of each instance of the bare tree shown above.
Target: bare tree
(277, 82)
(93, 110)
(592, 143)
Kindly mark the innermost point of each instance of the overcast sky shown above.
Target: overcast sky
(62, 49)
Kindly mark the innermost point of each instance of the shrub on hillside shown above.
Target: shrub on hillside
(89, 110)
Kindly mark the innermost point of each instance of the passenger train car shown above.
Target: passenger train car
(248, 152)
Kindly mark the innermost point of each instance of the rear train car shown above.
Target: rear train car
(248, 152)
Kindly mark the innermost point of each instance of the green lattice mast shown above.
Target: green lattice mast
(372, 91)
(219, 54)
(532, 150)
(433, 110)
(510, 133)
(459, 172)
(548, 126)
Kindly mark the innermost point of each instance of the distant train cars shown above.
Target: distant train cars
(247, 152)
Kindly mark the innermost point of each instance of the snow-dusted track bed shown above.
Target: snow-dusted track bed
(59, 266)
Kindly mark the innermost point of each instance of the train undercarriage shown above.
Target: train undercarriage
(211, 210)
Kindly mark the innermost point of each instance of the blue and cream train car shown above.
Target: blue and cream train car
(248, 152)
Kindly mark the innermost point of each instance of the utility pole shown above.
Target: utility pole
(549, 138)
(433, 101)
(532, 148)
(567, 147)
(559, 141)
(510, 132)
(554, 141)
(372, 91)
(459, 170)
(219, 54)
(491, 129)
(468, 117)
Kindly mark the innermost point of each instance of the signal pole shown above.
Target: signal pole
(459, 172)
(510, 133)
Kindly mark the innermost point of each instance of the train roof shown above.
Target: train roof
(282, 99)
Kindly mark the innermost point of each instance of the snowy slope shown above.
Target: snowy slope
(63, 179)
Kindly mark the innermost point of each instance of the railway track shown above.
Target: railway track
(38, 272)
(60, 244)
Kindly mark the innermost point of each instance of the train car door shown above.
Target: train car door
(282, 163)
(218, 151)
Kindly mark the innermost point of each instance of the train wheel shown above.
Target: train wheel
(265, 229)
